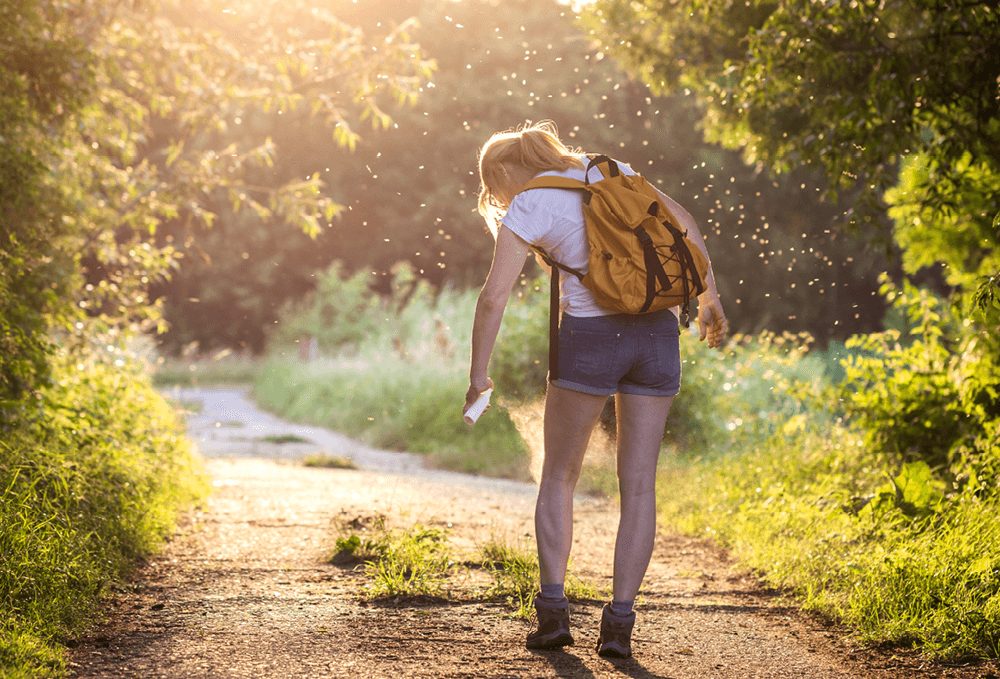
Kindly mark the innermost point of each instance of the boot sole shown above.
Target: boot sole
(558, 641)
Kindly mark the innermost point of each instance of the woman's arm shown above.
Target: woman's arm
(711, 318)
(508, 260)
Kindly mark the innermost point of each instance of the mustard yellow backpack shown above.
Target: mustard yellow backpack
(640, 258)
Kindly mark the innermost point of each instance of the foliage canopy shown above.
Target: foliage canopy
(408, 190)
(854, 88)
(115, 119)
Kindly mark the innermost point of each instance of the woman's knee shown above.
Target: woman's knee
(636, 485)
(561, 475)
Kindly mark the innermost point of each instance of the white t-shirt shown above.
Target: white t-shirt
(552, 219)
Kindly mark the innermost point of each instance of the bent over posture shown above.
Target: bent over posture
(634, 357)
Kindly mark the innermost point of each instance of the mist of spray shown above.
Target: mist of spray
(528, 418)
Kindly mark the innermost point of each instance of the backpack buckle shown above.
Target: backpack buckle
(641, 234)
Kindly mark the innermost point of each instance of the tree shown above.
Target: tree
(533, 62)
(117, 122)
(898, 99)
(45, 75)
(850, 88)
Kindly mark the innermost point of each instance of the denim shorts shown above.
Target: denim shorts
(631, 354)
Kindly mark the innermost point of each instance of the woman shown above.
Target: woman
(634, 357)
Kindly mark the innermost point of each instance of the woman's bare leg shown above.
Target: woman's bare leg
(641, 420)
(570, 417)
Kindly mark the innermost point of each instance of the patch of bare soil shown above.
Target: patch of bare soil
(244, 591)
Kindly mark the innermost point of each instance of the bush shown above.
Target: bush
(929, 393)
(520, 363)
(898, 554)
(91, 484)
(403, 387)
(731, 399)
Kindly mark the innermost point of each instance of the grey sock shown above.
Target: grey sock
(622, 609)
(553, 592)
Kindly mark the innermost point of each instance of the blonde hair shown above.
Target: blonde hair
(535, 147)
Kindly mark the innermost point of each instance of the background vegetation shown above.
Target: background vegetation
(408, 191)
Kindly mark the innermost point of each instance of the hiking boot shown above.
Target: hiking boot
(615, 640)
(553, 625)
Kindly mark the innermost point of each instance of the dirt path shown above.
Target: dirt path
(244, 591)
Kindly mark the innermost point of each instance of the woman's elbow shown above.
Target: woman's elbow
(490, 302)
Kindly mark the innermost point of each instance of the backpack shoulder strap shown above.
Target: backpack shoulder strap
(553, 182)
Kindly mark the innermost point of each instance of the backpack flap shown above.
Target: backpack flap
(640, 260)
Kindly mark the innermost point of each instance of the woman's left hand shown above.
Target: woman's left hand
(712, 319)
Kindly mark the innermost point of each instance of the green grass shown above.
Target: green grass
(395, 403)
(514, 569)
(282, 439)
(896, 555)
(91, 484)
(324, 460)
(419, 560)
(393, 371)
(410, 562)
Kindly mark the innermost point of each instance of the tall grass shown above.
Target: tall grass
(394, 405)
(192, 370)
(905, 552)
(403, 385)
(513, 566)
(896, 555)
(91, 482)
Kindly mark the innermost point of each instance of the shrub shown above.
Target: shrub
(897, 554)
(520, 363)
(91, 484)
(734, 398)
(929, 393)
(875, 500)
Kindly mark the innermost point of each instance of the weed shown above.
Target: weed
(326, 461)
(420, 561)
(514, 568)
(360, 539)
(417, 561)
(412, 562)
(283, 438)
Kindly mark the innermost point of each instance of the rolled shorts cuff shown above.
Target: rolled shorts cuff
(583, 388)
(623, 389)
(643, 391)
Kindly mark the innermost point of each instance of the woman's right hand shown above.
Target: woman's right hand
(475, 390)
